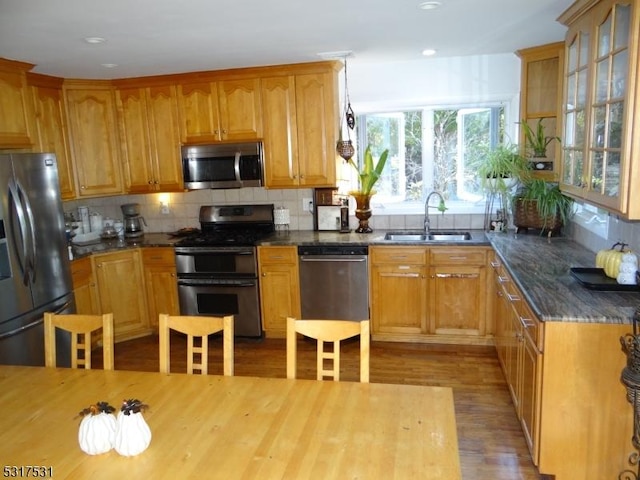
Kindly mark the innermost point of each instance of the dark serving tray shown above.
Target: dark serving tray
(595, 279)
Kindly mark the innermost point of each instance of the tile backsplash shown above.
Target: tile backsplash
(184, 208)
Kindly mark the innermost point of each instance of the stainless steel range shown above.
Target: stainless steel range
(217, 268)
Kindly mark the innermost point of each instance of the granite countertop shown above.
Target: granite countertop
(540, 267)
(307, 237)
(103, 246)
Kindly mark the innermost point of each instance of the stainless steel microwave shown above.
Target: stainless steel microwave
(225, 165)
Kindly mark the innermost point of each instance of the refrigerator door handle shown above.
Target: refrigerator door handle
(32, 231)
(35, 323)
(14, 201)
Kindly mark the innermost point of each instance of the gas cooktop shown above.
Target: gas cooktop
(231, 225)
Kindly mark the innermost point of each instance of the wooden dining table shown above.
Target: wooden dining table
(209, 427)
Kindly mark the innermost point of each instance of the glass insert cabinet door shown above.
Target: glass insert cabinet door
(609, 102)
(596, 143)
(575, 109)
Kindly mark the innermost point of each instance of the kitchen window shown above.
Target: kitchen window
(431, 149)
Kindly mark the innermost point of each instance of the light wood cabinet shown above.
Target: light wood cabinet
(51, 127)
(600, 157)
(225, 110)
(151, 138)
(160, 282)
(519, 342)
(94, 139)
(120, 281)
(530, 339)
(541, 100)
(15, 106)
(429, 294)
(399, 291)
(279, 288)
(458, 288)
(301, 117)
(84, 286)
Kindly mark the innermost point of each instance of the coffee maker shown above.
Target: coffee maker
(133, 221)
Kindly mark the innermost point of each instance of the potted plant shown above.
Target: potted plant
(541, 205)
(367, 178)
(536, 140)
(501, 168)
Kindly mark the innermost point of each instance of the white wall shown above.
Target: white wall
(434, 81)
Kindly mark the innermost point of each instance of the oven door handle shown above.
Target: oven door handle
(200, 250)
(236, 167)
(210, 283)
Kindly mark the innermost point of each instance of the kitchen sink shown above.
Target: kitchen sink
(405, 237)
(449, 236)
(434, 236)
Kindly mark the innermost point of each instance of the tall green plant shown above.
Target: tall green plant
(536, 139)
(550, 201)
(500, 164)
(370, 172)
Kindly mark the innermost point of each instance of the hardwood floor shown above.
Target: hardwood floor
(492, 445)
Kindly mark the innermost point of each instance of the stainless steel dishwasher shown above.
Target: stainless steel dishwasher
(334, 282)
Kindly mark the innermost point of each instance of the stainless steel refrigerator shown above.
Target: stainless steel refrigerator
(35, 275)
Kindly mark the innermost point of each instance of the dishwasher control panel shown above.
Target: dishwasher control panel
(306, 250)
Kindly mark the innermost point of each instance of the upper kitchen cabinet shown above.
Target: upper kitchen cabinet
(541, 100)
(15, 106)
(51, 127)
(93, 131)
(301, 118)
(151, 138)
(225, 110)
(600, 160)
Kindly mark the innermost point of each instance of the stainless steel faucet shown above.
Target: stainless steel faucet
(427, 221)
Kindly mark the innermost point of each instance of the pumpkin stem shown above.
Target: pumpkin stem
(96, 408)
(132, 405)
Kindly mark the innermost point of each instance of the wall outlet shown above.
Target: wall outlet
(164, 208)
(307, 204)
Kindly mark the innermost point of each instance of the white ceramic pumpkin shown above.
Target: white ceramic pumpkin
(133, 435)
(611, 259)
(97, 430)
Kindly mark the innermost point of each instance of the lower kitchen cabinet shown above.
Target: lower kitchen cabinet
(519, 339)
(84, 286)
(429, 294)
(398, 292)
(530, 377)
(564, 379)
(279, 288)
(121, 290)
(160, 282)
(458, 291)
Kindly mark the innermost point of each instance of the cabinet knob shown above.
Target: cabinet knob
(150, 182)
(82, 187)
(264, 274)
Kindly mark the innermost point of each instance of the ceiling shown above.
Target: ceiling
(150, 37)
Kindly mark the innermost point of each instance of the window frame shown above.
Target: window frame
(417, 207)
